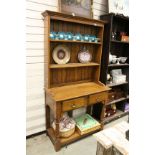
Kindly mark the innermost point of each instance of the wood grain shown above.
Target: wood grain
(76, 90)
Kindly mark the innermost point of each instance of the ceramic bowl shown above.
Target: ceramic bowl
(114, 56)
(78, 37)
(123, 59)
(61, 54)
(110, 58)
(92, 38)
(86, 37)
(61, 35)
(68, 36)
(53, 35)
(118, 60)
(114, 60)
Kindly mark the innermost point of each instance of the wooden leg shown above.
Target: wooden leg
(57, 144)
(89, 109)
(102, 112)
(47, 117)
(102, 115)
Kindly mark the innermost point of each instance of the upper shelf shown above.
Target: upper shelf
(72, 65)
(72, 41)
(117, 41)
(73, 19)
(118, 65)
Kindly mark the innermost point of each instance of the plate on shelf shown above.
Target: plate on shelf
(61, 54)
(84, 56)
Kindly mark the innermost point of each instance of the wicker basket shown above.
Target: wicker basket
(65, 134)
(68, 133)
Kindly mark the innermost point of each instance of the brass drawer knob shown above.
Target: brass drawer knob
(73, 106)
(98, 100)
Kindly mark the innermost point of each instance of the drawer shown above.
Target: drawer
(99, 97)
(74, 104)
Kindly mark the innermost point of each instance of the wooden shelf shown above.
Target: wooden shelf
(72, 41)
(72, 65)
(72, 83)
(72, 138)
(118, 65)
(117, 41)
(116, 84)
(117, 115)
(76, 90)
(117, 100)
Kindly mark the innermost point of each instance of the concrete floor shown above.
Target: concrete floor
(41, 145)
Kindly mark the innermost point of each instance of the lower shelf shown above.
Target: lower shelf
(117, 100)
(118, 114)
(116, 84)
(70, 139)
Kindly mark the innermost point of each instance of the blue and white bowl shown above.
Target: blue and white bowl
(53, 35)
(78, 37)
(86, 37)
(61, 35)
(68, 36)
(92, 38)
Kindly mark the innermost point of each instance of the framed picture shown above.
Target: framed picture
(119, 7)
(81, 8)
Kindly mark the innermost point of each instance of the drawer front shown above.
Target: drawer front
(74, 104)
(99, 97)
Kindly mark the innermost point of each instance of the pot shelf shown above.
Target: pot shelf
(117, 41)
(73, 65)
(117, 115)
(118, 65)
(72, 138)
(117, 100)
(72, 41)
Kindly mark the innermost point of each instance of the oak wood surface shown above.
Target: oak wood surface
(76, 90)
(76, 19)
(72, 65)
(99, 97)
(74, 103)
(75, 137)
(72, 41)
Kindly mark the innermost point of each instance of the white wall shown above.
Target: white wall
(35, 107)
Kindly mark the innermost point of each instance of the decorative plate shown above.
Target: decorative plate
(61, 54)
(84, 56)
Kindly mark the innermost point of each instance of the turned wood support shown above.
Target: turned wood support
(58, 112)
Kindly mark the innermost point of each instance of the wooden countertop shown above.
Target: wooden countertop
(76, 90)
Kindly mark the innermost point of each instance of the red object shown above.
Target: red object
(109, 112)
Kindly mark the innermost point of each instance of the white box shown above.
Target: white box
(119, 78)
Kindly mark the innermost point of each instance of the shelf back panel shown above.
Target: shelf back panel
(67, 76)
(74, 50)
(62, 26)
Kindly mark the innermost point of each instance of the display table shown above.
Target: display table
(112, 141)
